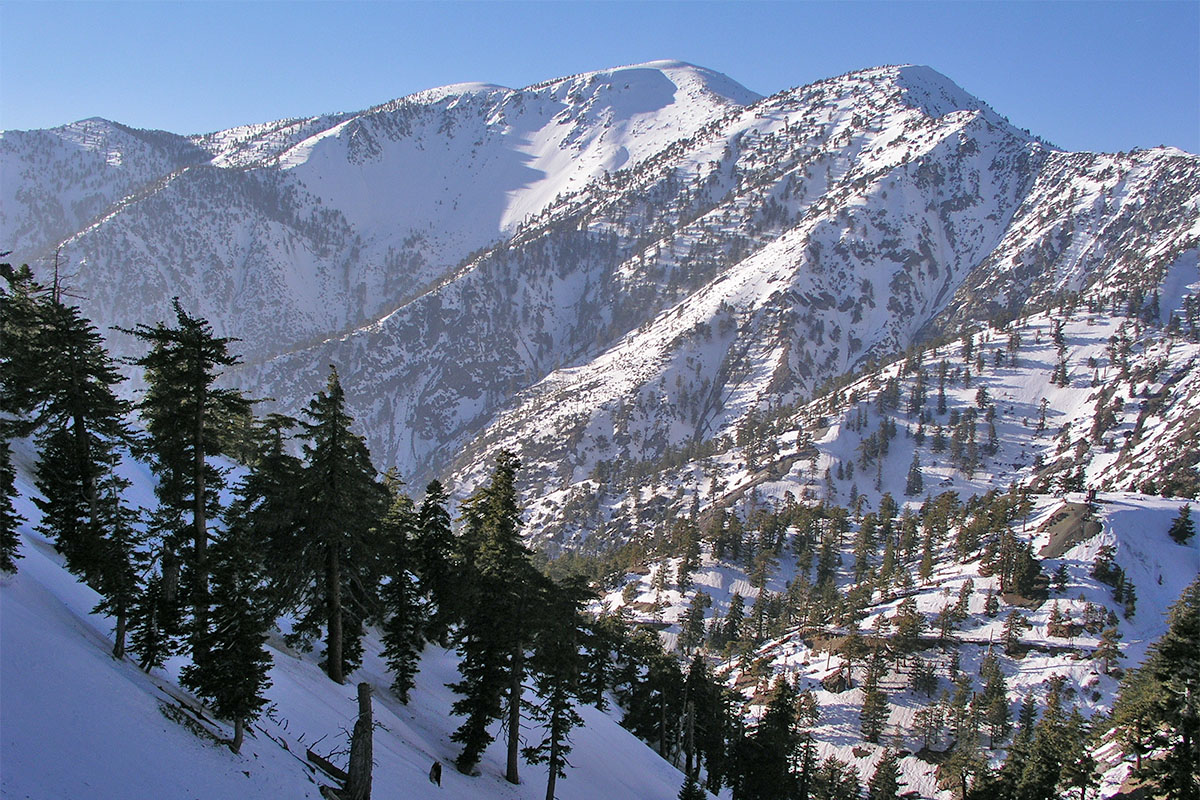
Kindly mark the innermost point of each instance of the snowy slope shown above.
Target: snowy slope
(75, 723)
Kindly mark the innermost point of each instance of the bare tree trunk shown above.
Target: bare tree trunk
(689, 740)
(118, 650)
(333, 592)
(514, 714)
(555, 759)
(358, 784)
(239, 730)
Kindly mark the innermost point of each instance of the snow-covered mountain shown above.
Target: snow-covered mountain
(673, 299)
(287, 232)
(609, 268)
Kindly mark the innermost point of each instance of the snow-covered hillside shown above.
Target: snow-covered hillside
(75, 723)
(813, 655)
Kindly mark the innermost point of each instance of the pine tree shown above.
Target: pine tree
(874, 710)
(915, 483)
(403, 624)
(1108, 650)
(499, 607)
(1047, 748)
(185, 417)
(993, 702)
(885, 782)
(337, 557)
(119, 559)
(269, 502)
(10, 540)
(691, 790)
(72, 400)
(556, 665)
(835, 780)
(766, 757)
(151, 624)
(434, 562)
(1159, 702)
(230, 668)
(82, 429)
(21, 303)
(1014, 625)
(1182, 528)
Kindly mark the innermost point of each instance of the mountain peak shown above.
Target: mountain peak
(685, 76)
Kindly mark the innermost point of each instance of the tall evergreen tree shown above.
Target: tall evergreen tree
(185, 416)
(269, 503)
(63, 382)
(766, 759)
(433, 559)
(81, 428)
(556, 664)
(403, 622)
(337, 556)
(22, 303)
(1159, 703)
(874, 711)
(885, 781)
(10, 540)
(497, 619)
(230, 668)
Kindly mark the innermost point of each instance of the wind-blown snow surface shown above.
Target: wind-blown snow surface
(74, 723)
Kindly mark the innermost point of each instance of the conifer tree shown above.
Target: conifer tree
(555, 665)
(496, 626)
(1047, 748)
(9, 518)
(874, 711)
(185, 415)
(62, 381)
(766, 756)
(993, 701)
(914, 484)
(691, 790)
(21, 301)
(1159, 703)
(403, 623)
(885, 782)
(1108, 650)
(120, 559)
(152, 618)
(230, 668)
(434, 562)
(338, 553)
(269, 503)
(1182, 528)
(835, 780)
(82, 429)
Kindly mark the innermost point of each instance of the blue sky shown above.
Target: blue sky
(1086, 76)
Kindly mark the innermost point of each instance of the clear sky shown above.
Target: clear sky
(1086, 76)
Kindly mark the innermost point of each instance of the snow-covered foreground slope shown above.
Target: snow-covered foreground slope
(76, 724)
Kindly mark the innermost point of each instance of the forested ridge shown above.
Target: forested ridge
(262, 517)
